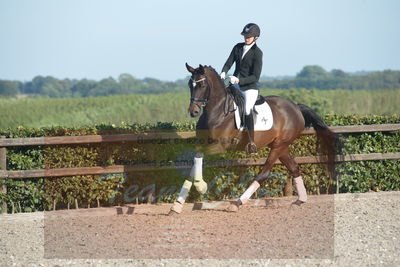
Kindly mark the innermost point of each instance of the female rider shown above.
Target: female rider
(248, 59)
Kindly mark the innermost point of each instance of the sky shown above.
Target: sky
(96, 39)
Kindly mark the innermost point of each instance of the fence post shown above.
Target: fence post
(3, 166)
(288, 189)
(337, 184)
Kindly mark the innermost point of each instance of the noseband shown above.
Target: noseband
(195, 100)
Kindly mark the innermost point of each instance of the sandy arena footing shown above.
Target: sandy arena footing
(345, 229)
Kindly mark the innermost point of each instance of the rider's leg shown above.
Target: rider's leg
(249, 122)
(250, 98)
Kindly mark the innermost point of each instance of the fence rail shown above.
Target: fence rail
(88, 139)
(168, 166)
(63, 140)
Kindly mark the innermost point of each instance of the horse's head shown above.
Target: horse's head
(199, 90)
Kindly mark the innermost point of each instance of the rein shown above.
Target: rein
(226, 103)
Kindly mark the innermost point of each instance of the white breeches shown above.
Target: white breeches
(250, 98)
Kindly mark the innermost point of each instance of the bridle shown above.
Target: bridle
(203, 101)
(195, 100)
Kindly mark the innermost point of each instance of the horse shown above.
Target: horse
(210, 98)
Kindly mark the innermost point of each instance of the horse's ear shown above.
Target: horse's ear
(201, 69)
(189, 68)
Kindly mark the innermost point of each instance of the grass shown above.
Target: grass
(43, 112)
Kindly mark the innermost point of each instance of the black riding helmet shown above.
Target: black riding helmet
(251, 30)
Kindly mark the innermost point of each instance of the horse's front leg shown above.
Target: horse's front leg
(196, 175)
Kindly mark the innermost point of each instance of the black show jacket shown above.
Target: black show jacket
(248, 69)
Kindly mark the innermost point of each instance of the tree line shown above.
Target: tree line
(316, 77)
(48, 86)
(310, 77)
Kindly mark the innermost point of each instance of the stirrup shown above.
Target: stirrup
(235, 141)
(251, 148)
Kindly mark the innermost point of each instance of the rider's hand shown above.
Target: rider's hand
(234, 79)
(222, 75)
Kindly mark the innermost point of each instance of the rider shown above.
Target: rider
(248, 59)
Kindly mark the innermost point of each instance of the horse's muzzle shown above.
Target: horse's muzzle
(194, 110)
(194, 113)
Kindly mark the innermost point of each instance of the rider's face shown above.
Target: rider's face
(249, 40)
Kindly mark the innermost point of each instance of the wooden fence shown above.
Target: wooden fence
(64, 140)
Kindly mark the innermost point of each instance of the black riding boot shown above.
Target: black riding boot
(251, 147)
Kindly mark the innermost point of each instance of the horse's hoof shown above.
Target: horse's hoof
(177, 208)
(233, 208)
(172, 213)
(298, 202)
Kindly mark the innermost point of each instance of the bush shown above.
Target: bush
(90, 190)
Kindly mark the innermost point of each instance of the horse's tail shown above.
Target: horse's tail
(327, 141)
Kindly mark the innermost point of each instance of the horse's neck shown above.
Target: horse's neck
(215, 109)
(216, 98)
(216, 101)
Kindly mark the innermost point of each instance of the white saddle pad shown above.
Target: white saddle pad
(263, 120)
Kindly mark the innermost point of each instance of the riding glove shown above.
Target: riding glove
(222, 75)
(234, 79)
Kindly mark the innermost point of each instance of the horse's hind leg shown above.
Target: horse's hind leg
(275, 153)
(294, 170)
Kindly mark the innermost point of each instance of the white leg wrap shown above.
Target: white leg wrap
(184, 191)
(197, 169)
(197, 174)
(300, 188)
(177, 207)
(249, 192)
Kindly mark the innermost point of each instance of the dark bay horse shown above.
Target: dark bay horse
(209, 97)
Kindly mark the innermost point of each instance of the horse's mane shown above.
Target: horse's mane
(214, 72)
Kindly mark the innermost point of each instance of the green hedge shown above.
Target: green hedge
(90, 190)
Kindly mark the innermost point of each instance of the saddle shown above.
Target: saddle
(238, 98)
